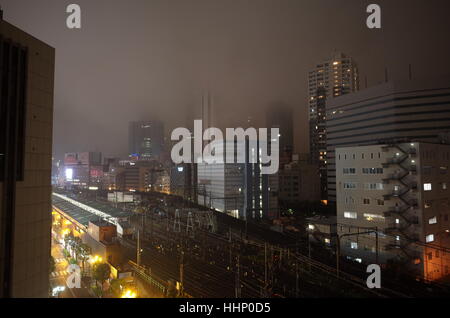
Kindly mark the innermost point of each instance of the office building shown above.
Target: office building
(393, 205)
(298, 181)
(27, 72)
(332, 78)
(413, 110)
(238, 189)
(146, 139)
(220, 187)
(139, 176)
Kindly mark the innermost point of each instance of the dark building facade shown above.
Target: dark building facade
(318, 141)
(26, 115)
(183, 181)
(281, 116)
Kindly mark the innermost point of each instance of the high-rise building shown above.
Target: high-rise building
(146, 139)
(412, 110)
(27, 79)
(260, 190)
(393, 201)
(239, 189)
(332, 78)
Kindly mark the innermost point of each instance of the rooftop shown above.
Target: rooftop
(83, 211)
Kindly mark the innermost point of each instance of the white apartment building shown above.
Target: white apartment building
(402, 192)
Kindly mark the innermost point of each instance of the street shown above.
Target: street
(59, 276)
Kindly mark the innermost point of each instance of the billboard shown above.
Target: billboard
(70, 159)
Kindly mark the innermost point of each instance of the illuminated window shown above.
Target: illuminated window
(373, 217)
(354, 245)
(432, 220)
(350, 215)
(429, 238)
(427, 186)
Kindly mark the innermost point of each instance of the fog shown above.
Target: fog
(153, 59)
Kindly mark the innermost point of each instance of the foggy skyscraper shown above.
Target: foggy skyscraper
(146, 139)
(280, 116)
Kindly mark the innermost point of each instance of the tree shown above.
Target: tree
(84, 251)
(76, 247)
(69, 242)
(101, 274)
(66, 253)
(115, 288)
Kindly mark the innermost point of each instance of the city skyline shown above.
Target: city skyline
(232, 60)
(224, 149)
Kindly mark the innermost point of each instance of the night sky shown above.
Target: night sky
(152, 59)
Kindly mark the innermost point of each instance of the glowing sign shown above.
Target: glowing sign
(69, 174)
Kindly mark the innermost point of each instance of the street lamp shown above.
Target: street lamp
(96, 259)
(129, 294)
